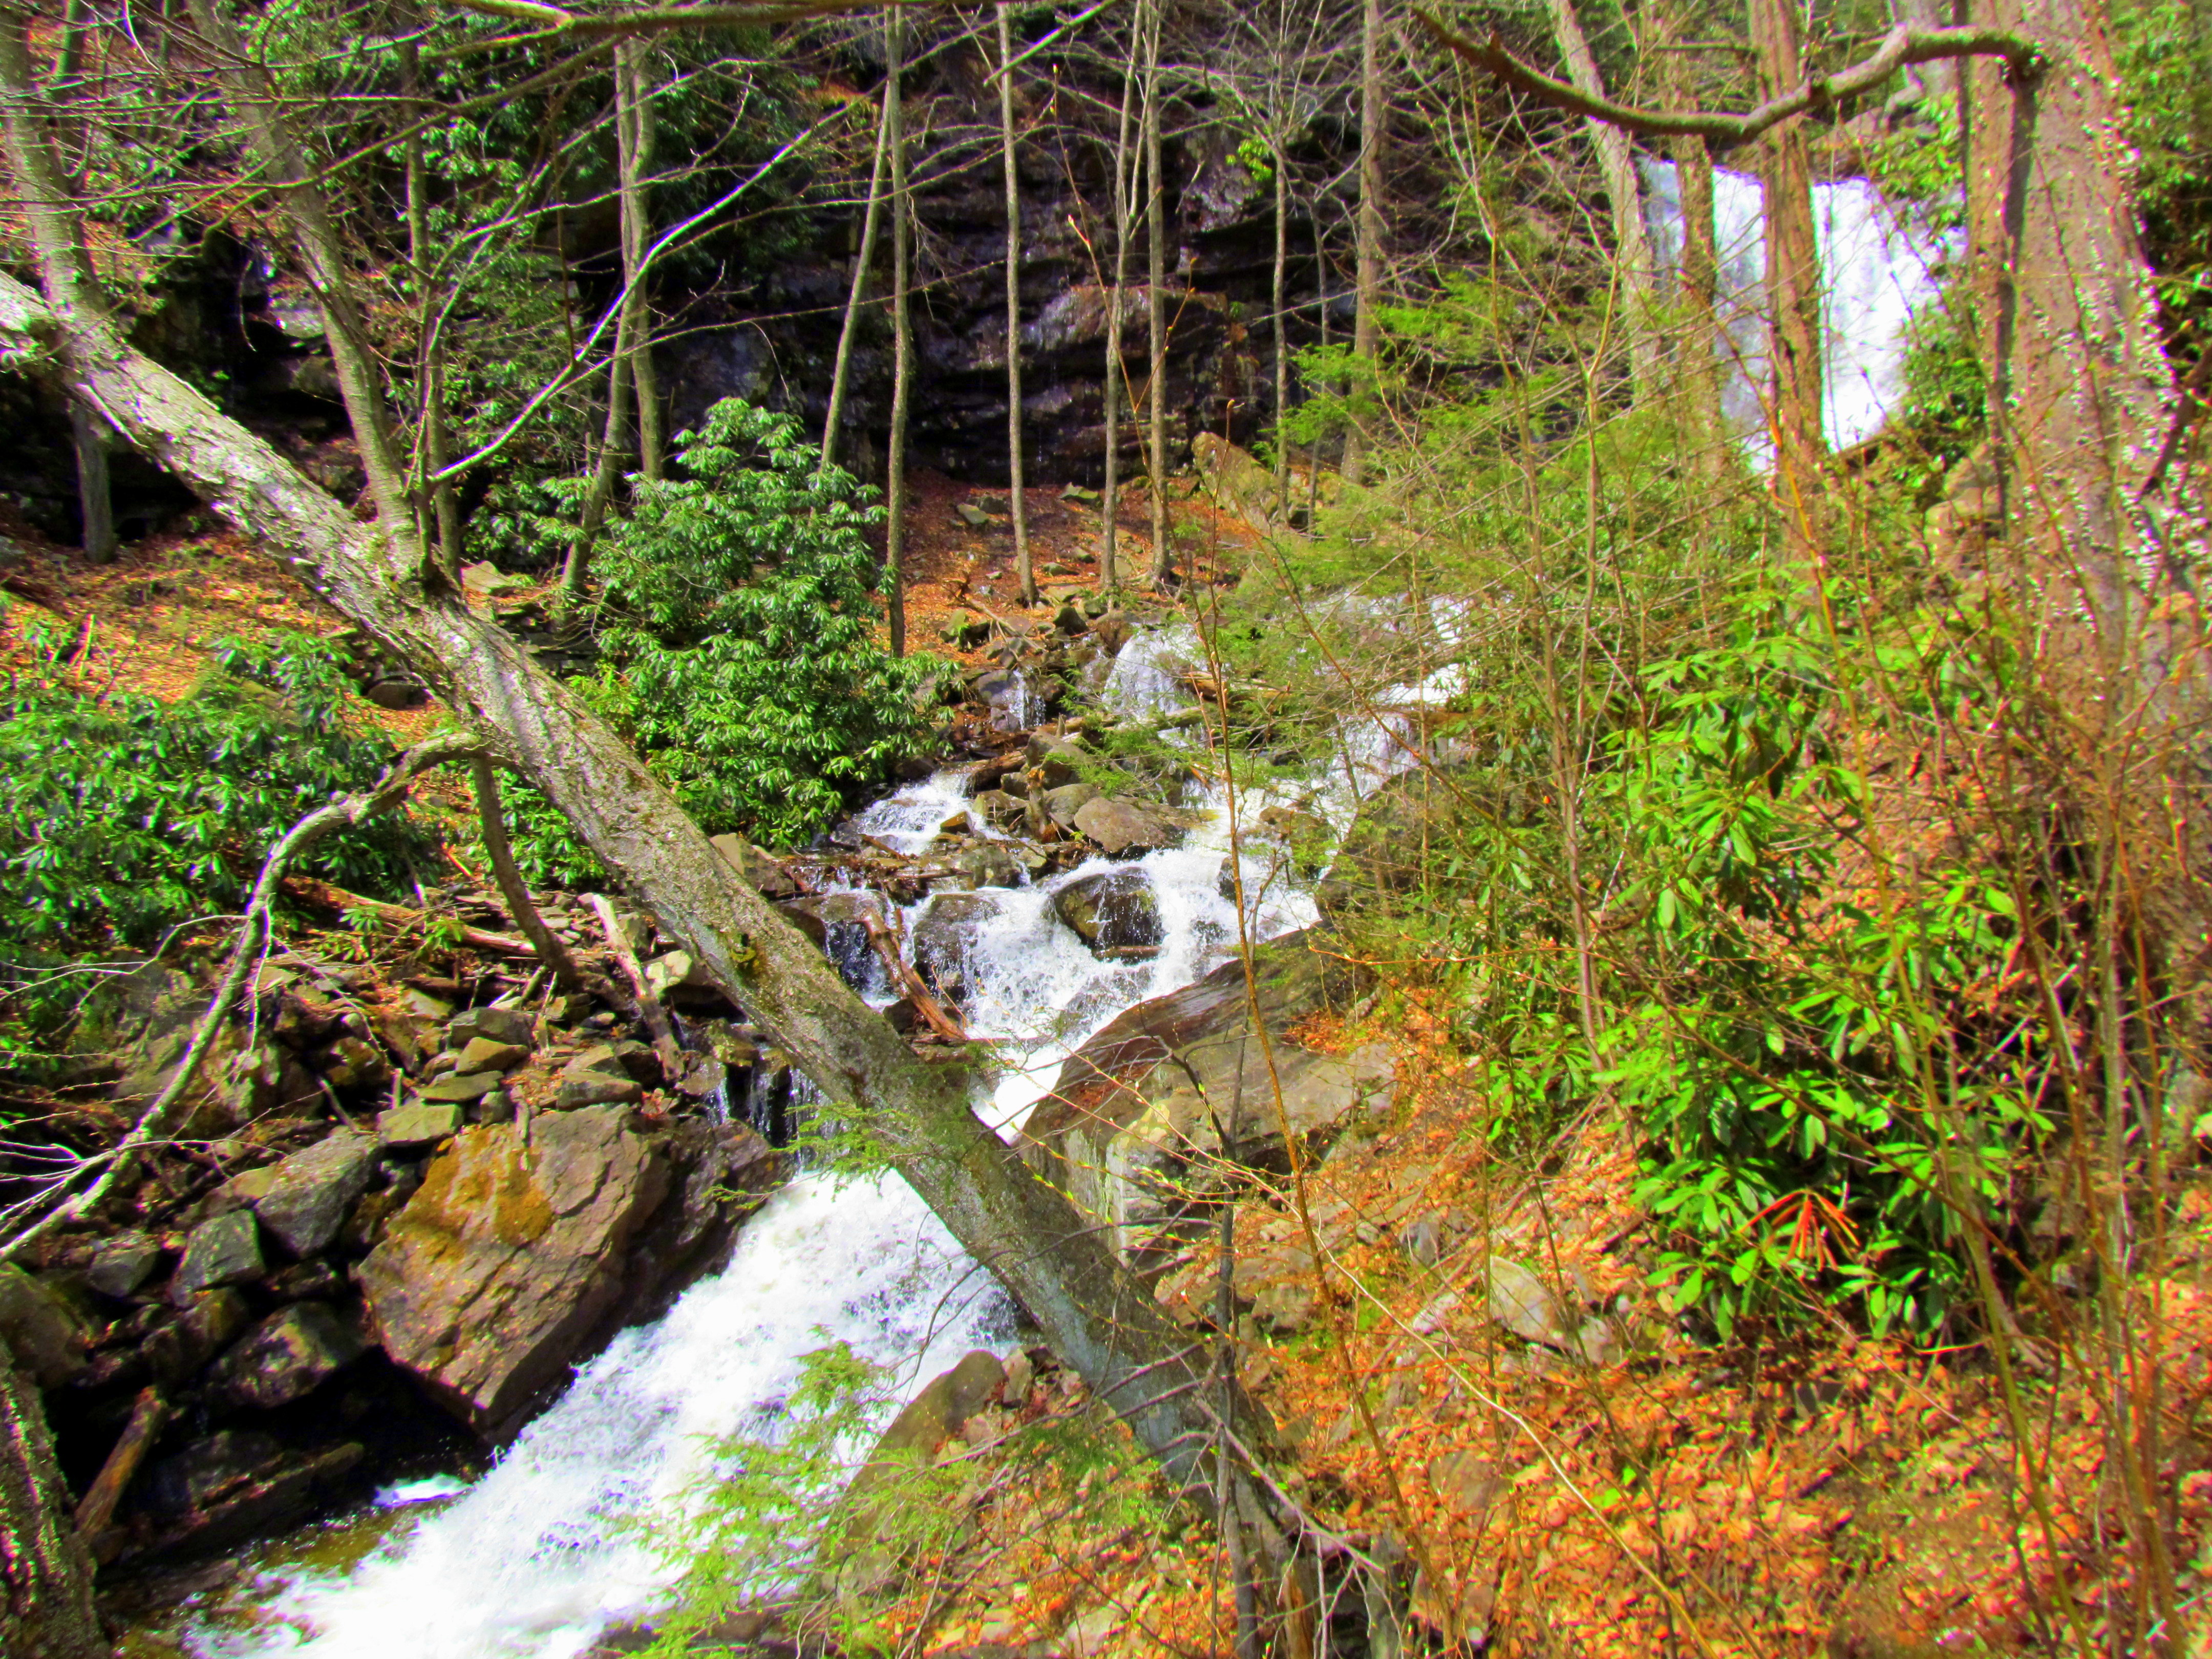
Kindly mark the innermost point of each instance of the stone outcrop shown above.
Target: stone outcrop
(1137, 1115)
(517, 1255)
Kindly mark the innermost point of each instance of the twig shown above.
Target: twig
(648, 1004)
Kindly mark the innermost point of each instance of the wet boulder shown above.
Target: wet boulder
(1128, 829)
(1000, 810)
(1061, 805)
(310, 1192)
(203, 1327)
(762, 873)
(289, 1354)
(1058, 762)
(124, 1263)
(1129, 1128)
(946, 937)
(502, 1026)
(516, 1259)
(1114, 912)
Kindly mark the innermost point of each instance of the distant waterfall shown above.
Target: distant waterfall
(1878, 270)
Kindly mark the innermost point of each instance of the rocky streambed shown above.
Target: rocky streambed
(462, 1217)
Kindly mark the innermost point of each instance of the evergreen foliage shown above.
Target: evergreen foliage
(739, 633)
(122, 816)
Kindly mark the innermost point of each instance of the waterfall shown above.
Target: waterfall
(538, 1556)
(1879, 271)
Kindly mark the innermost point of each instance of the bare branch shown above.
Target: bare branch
(2025, 63)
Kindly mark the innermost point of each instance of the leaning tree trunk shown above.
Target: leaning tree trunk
(1117, 380)
(863, 262)
(46, 1610)
(1097, 1315)
(633, 152)
(1019, 508)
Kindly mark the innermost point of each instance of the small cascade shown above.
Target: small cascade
(1878, 271)
(1015, 702)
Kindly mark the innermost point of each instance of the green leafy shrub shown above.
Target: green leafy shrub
(738, 628)
(122, 816)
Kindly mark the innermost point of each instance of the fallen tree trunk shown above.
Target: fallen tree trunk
(1097, 1315)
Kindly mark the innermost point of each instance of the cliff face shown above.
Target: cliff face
(776, 344)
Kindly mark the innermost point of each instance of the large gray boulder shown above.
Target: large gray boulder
(1128, 828)
(516, 1259)
(310, 1192)
(1132, 1128)
(945, 939)
(1113, 911)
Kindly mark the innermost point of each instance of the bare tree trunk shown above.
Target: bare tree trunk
(1278, 297)
(901, 325)
(863, 263)
(1109, 573)
(95, 501)
(46, 1575)
(2080, 391)
(1698, 379)
(1020, 509)
(1631, 244)
(614, 444)
(1367, 245)
(634, 150)
(1793, 290)
(1156, 316)
(430, 379)
(320, 252)
(491, 817)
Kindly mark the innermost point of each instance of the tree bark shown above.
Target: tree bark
(1793, 291)
(863, 263)
(513, 889)
(1156, 315)
(320, 253)
(96, 501)
(2080, 392)
(430, 379)
(1109, 573)
(1367, 237)
(634, 151)
(1279, 298)
(1020, 509)
(46, 1609)
(902, 334)
(1631, 243)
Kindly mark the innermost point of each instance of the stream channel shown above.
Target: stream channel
(546, 1548)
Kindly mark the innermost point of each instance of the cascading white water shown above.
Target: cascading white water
(535, 1559)
(1878, 271)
